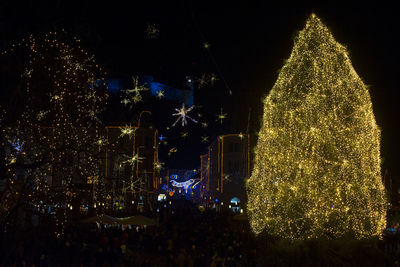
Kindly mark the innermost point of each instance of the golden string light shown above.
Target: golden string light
(317, 161)
(57, 127)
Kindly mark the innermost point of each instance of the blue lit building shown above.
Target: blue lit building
(170, 93)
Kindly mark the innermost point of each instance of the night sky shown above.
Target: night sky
(249, 44)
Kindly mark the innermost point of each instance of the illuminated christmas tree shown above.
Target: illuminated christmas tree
(54, 146)
(317, 161)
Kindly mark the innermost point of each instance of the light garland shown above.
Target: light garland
(57, 127)
(317, 161)
(185, 184)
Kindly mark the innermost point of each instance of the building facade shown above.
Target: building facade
(131, 166)
(224, 170)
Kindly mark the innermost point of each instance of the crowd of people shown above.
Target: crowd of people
(185, 238)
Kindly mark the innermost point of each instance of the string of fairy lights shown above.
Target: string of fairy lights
(58, 125)
(317, 161)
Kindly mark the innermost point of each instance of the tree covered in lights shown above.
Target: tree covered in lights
(56, 141)
(317, 162)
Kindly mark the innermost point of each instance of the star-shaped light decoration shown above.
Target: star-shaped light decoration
(184, 134)
(127, 130)
(206, 45)
(133, 159)
(172, 150)
(204, 124)
(160, 94)
(204, 139)
(158, 165)
(227, 178)
(125, 101)
(55, 98)
(202, 81)
(221, 116)
(101, 142)
(133, 96)
(241, 135)
(213, 79)
(182, 115)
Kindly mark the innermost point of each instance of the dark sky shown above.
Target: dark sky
(249, 44)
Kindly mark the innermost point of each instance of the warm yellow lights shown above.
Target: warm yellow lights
(127, 130)
(221, 116)
(160, 94)
(317, 161)
(58, 126)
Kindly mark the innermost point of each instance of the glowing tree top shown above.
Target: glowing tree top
(317, 161)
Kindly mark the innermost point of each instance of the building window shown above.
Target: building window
(236, 166)
(236, 147)
(147, 141)
(230, 166)
(235, 204)
(230, 149)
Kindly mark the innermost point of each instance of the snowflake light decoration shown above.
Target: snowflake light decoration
(158, 165)
(227, 178)
(135, 186)
(160, 94)
(202, 81)
(182, 115)
(172, 150)
(101, 142)
(125, 101)
(204, 139)
(221, 116)
(133, 96)
(204, 124)
(184, 134)
(127, 130)
(133, 159)
(213, 79)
